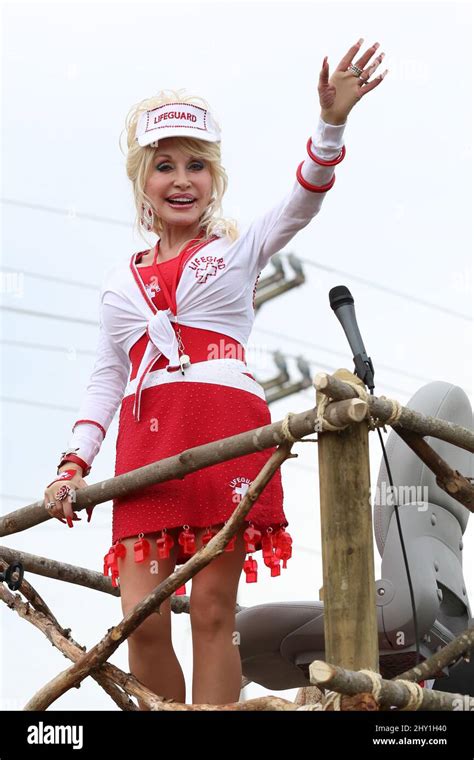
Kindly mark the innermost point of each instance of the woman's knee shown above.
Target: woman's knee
(211, 606)
(137, 581)
(214, 591)
(154, 631)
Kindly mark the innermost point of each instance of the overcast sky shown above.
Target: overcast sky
(396, 227)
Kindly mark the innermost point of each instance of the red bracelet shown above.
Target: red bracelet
(313, 188)
(77, 460)
(64, 475)
(321, 161)
(90, 422)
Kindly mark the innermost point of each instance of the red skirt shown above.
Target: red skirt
(180, 415)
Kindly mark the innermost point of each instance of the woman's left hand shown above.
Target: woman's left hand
(339, 94)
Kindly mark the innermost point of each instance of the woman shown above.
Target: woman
(173, 325)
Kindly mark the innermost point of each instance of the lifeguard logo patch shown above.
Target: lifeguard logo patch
(152, 289)
(240, 486)
(206, 266)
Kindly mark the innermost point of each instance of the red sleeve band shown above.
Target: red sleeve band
(313, 188)
(91, 422)
(321, 161)
(77, 460)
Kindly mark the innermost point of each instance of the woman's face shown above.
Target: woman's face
(175, 174)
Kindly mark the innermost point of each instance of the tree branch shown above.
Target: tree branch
(171, 468)
(449, 480)
(60, 638)
(116, 635)
(460, 646)
(388, 693)
(381, 409)
(80, 576)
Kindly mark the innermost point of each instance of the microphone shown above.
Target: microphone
(342, 304)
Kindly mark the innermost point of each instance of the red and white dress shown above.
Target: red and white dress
(180, 414)
(201, 304)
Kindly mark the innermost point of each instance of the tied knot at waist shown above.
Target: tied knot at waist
(161, 340)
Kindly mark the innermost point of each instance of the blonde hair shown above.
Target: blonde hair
(140, 161)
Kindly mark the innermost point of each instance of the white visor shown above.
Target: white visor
(175, 119)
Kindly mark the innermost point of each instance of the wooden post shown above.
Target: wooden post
(350, 621)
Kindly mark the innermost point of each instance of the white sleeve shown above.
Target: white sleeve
(271, 232)
(103, 395)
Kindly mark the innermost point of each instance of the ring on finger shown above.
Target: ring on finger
(63, 492)
(50, 504)
(355, 70)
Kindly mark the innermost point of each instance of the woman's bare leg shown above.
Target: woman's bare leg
(151, 656)
(217, 671)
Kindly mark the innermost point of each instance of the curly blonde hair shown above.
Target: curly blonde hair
(140, 162)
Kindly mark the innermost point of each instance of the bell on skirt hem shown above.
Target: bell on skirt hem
(275, 545)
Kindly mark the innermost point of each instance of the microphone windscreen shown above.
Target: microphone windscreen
(339, 296)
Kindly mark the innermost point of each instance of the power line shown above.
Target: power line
(368, 283)
(87, 352)
(385, 289)
(325, 349)
(395, 388)
(24, 499)
(43, 404)
(74, 410)
(52, 278)
(47, 347)
(317, 364)
(46, 315)
(72, 213)
(280, 336)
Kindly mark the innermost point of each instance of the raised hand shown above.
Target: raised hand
(348, 84)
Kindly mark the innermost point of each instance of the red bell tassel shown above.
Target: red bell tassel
(274, 564)
(116, 552)
(164, 544)
(187, 540)
(251, 538)
(269, 556)
(251, 570)
(267, 546)
(231, 545)
(208, 535)
(283, 544)
(211, 532)
(120, 551)
(109, 560)
(181, 590)
(141, 549)
(115, 577)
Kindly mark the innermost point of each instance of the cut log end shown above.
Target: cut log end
(320, 381)
(320, 672)
(357, 409)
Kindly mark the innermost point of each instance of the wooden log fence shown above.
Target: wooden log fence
(343, 415)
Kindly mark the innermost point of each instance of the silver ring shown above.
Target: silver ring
(50, 504)
(355, 69)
